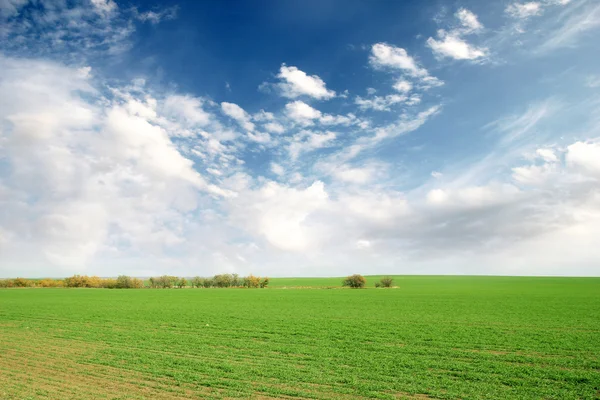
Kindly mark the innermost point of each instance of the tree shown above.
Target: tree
(264, 282)
(251, 281)
(197, 282)
(181, 283)
(123, 282)
(385, 282)
(21, 282)
(355, 281)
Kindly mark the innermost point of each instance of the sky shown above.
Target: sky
(313, 138)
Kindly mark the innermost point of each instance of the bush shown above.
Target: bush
(164, 281)
(22, 282)
(51, 283)
(223, 280)
(264, 282)
(6, 283)
(108, 283)
(385, 282)
(181, 283)
(355, 281)
(208, 283)
(251, 281)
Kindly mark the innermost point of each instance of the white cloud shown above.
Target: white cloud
(380, 103)
(524, 10)
(101, 171)
(516, 126)
(104, 6)
(281, 215)
(296, 83)
(188, 109)
(385, 55)
(274, 127)
(357, 175)
(277, 169)
(469, 21)
(578, 23)
(155, 17)
(239, 114)
(452, 46)
(307, 141)
(301, 112)
(584, 157)
(402, 85)
(547, 155)
(436, 174)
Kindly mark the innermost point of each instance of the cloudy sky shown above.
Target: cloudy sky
(313, 138)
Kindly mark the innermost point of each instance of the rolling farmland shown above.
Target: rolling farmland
(433, 337)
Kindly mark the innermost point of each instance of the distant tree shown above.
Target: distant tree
(109, 283)
(46, 283)
(208, 283)
(123, 282)
(21, 282)
(355, 281)
(385, 282)
(181, 283)
(223, 280)
(251, 281)
(264, 282)
(197, 282)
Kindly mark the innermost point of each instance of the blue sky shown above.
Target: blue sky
(314, 138)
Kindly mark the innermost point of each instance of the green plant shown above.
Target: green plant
(355, 281)
(385, 282)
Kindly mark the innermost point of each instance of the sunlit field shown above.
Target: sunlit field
(431, 337)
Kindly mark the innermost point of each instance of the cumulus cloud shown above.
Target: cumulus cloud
(469, 21)
(239, 114)
(301, 112)
(452, 44)
(384, 55)
(402, 85)
(295, 83)
(306, 141)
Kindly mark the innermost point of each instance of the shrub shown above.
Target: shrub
(181, 283)
(51, 283)
(164, 281)
(22, 282)
(78, 281)
(6, 283)
(264, 282)
(355, 281)
(251, 281)
(209, 282)
(108, 283)
(386, 282)
(223, 280)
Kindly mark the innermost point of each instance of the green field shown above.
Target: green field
(433, 337)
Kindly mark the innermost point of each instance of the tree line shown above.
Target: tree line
(128, 282)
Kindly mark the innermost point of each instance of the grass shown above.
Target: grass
(433, 337)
